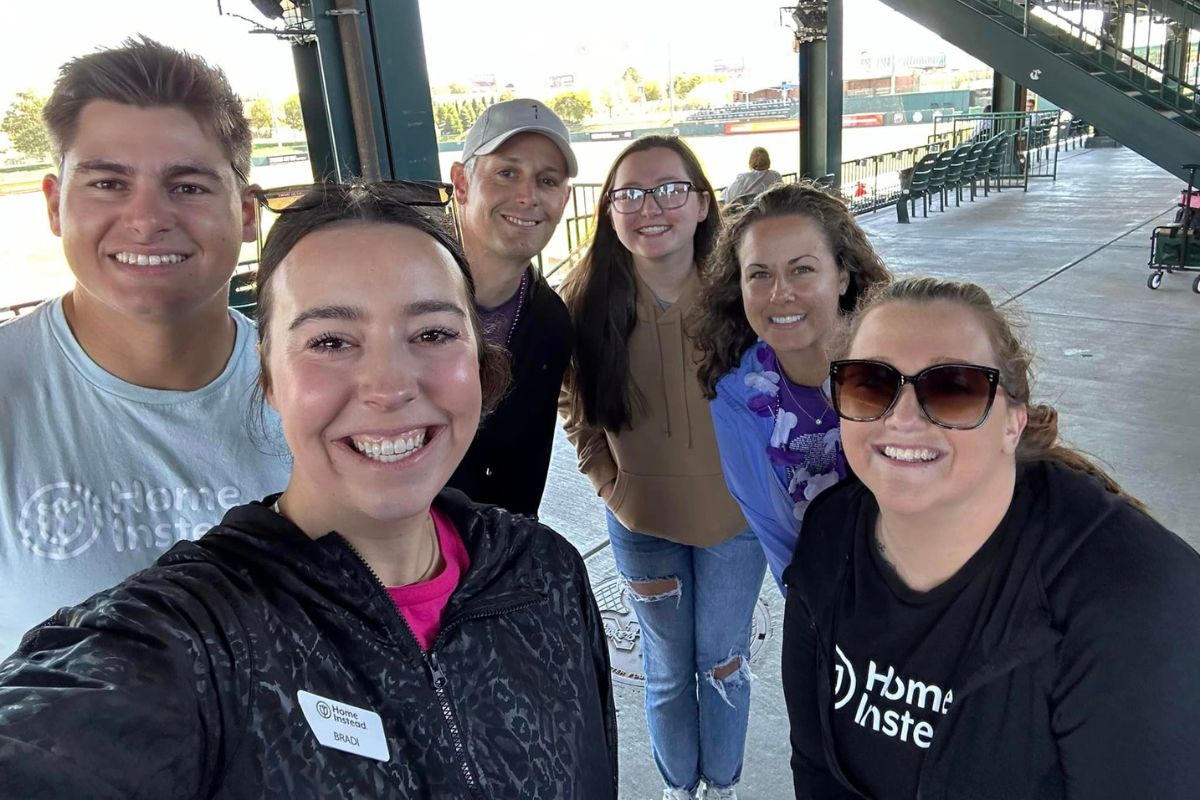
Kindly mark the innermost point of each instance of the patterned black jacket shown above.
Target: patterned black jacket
(508, 462)
(183, 681)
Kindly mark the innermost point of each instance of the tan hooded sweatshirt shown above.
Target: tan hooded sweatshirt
(668, 473)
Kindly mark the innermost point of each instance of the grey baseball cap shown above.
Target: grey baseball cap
(500, 122)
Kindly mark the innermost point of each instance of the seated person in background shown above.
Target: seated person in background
(987, 614)
(124, 400)
(364, 634)
(748, 185)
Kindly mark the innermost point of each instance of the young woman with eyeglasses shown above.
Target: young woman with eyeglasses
(634, 411)
(365, 633)
(987, 614)
(786, 272)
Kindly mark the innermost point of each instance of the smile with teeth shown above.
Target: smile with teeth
(653, 230)
(387, 451)
(909, 454)
(523, 223)
(143, 260)
(788, 320)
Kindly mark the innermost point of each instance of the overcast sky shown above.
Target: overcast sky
(464, 39)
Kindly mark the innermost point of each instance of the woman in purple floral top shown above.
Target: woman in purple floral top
(784, 274)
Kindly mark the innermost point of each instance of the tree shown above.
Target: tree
(456, 88)
(572, 106)
(22, 124)
(632, 80)
(606, 100)
(652, 90)
(262, 122)
(684, 84)
(292, 117)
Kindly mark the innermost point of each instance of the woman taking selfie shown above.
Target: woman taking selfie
(364, 634)
(645, 440)
(987, 614)
(785, 272)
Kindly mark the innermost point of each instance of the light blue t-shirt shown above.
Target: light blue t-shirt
(99, 477)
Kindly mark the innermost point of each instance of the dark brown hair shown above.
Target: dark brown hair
(144, 73)
(601, 294)
(1040, 440)
(381, 204)
(722, 331)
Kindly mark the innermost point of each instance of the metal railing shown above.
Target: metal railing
(868, 184)
(1143, 44)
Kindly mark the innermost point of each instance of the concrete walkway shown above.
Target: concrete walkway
(1118, 360)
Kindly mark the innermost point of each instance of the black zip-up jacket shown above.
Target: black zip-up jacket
(183, 681)
(1082, 681)
(509, 459)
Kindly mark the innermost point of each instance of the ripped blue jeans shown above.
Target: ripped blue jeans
(701, 624)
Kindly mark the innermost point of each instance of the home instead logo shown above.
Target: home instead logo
(61, 520)
(886, 701)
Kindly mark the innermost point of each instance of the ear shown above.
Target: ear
(249, 203)
(702, 205)
(265, 381)
(1015, 418)
(458, 177)
(52, 190)
(843, 280)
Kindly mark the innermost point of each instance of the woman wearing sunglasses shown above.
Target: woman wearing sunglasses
(365, 633)
(634, 411)
(785, 272)
(987, 615)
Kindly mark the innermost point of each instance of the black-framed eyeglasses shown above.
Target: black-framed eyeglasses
(630, 199)
(954, 396)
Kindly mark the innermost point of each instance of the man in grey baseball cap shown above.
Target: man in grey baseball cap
(512, 187)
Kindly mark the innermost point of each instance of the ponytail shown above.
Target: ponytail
(1040, 442)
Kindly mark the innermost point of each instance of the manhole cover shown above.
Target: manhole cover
(625, 636)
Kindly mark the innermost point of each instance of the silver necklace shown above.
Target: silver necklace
(787, 388)
(433, 543)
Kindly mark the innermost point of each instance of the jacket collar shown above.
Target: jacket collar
(265, 547)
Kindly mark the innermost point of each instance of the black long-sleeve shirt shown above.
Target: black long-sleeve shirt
(1060, 663)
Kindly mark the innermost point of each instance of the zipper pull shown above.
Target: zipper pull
(435, 672)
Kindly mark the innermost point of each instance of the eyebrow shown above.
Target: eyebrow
(172, 171)
(345, 313)
(790, 261)
(354, 313)
(519, 162)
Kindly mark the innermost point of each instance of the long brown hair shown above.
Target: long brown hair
(722, 331)
(601, 294)
(1040, 440)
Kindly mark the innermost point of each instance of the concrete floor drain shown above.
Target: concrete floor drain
(624, 634)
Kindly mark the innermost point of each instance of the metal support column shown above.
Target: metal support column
(820, 82)
(312, 109)
(1004, 94)
(375, 88)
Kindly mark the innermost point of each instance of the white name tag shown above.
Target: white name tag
(344, 727)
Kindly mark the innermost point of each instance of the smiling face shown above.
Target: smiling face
(653, 234)
(791, 284)
(512, 199)
(374, 370)
(912, 466)
(150, 212)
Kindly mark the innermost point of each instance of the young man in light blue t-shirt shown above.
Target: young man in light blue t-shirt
(126, 401)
